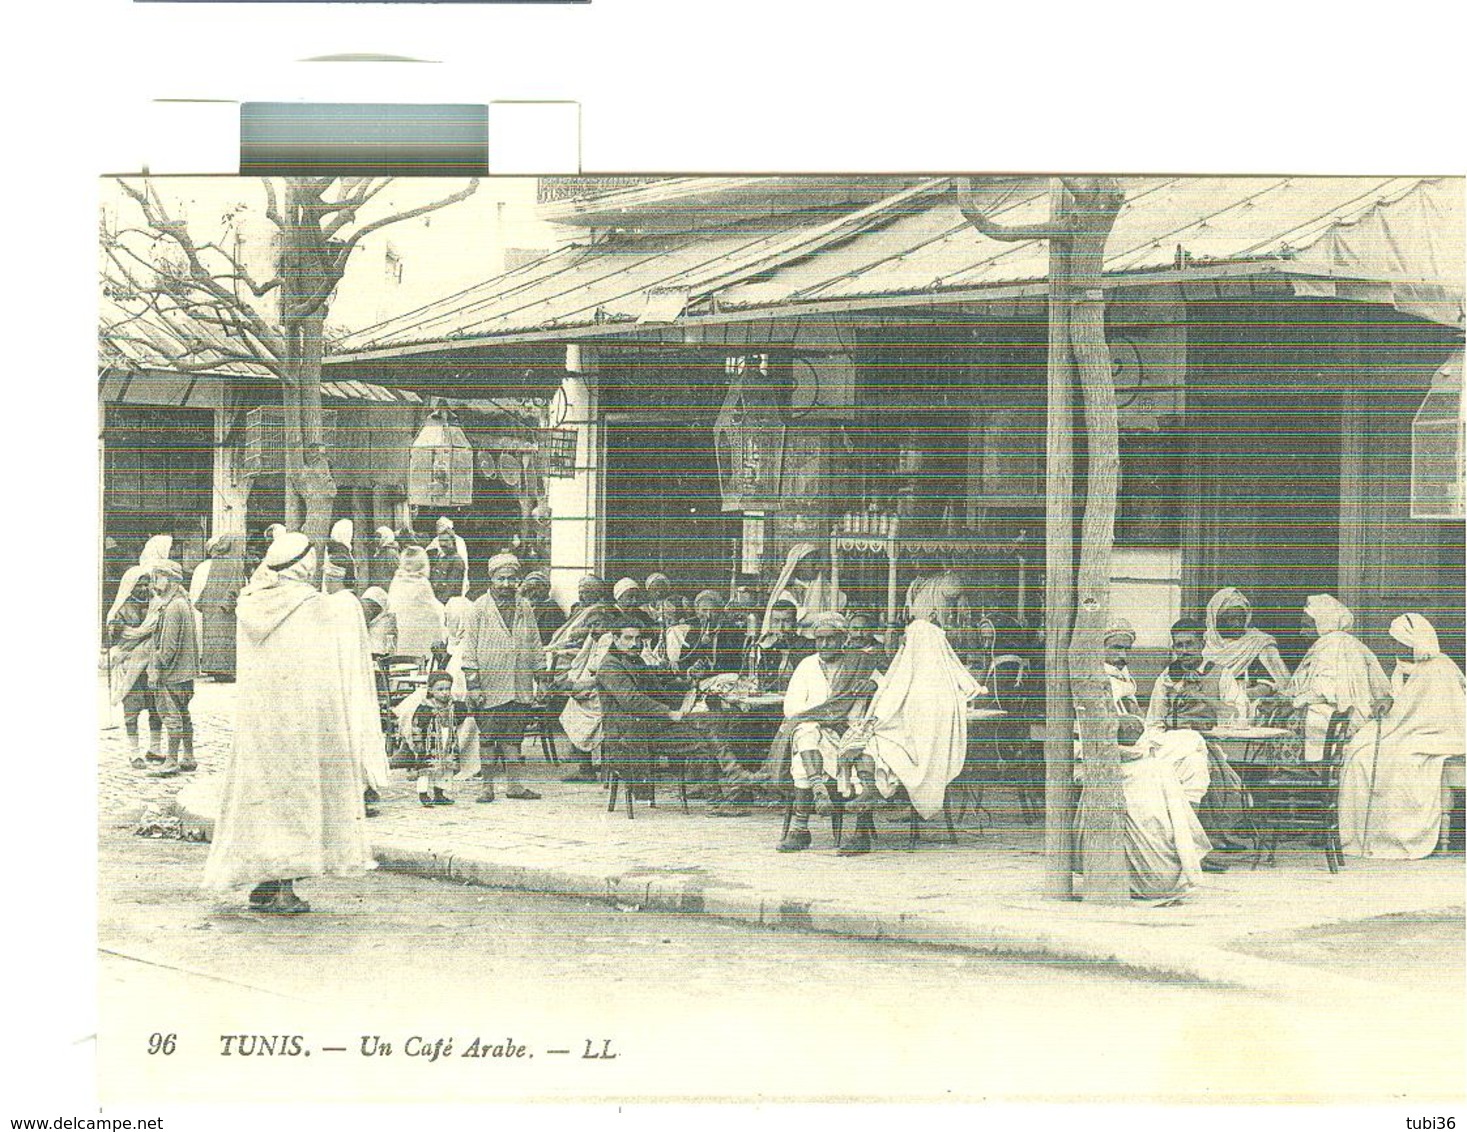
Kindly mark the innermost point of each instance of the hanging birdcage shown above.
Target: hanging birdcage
(441, 464)
(558, 450)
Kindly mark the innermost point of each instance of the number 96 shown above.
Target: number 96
(162, 1043)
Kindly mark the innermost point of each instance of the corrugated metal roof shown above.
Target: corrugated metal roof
(148, 342)
(1406, 232)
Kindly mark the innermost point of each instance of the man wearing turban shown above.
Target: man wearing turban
(1390, 784)
(1246, 659)
(708, 643)
(549, 617)
(913, 734)
(627, 595)
(1164, 840)
(1337, 674)
(827, 692)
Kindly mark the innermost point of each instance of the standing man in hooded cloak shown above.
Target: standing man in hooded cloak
(306, 728)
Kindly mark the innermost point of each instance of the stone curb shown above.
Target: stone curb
(1129, 950)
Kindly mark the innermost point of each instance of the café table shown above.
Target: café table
(1251, 751)
(1247, 745)
(745, 723)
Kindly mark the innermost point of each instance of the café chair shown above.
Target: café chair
(1302, 801)
(541, 723)
(1008, 680)
(615, 783)
(398, 677)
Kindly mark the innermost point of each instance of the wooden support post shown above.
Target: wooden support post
(1082, 213)
(1096, 201)
(1059, 746)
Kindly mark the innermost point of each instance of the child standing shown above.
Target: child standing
(440, 739)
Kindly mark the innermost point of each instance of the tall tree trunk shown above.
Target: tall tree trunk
(1096, 202)
(317, 486)
(1059, 754)
(310, 489)
(291, 430)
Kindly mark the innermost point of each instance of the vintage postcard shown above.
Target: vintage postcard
(943, 637)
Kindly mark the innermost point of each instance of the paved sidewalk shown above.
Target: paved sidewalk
(979, 894)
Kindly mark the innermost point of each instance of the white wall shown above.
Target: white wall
(574, 501)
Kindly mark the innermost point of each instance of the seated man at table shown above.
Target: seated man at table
(826, 693)
(780, 649)
(707, 644)
(1186, 701)
(1165, 843)
(639, 727)
(914, 734)
(1391, 780)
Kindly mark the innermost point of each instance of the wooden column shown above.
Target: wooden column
(1059, 592)
(1083, 211)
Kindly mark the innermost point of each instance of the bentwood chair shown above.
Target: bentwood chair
(1302, 801)
(398, 677)
(1014, 690)
(617, 784)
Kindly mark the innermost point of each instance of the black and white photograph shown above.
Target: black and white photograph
(775, 637)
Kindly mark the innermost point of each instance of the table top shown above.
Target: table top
(1247, 734)
(757, 700)
(773, 699)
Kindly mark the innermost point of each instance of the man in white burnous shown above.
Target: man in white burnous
(306, 734)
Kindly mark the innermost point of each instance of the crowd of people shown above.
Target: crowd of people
(629, 672)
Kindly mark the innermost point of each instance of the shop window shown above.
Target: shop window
(158, 461)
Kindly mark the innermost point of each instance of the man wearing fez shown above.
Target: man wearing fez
(502, 653)
(306, 727)
(781, 648)
(640, 728)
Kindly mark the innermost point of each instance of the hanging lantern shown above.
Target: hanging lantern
(441, 464)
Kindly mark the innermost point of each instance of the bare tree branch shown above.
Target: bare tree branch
(972, 210)
(157, 216)
(397, 217)
(272, 203)
(349, 208)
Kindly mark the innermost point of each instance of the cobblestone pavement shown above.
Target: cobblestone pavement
(988, 881)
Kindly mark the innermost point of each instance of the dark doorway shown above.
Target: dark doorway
(487, 526)
(663, 506)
